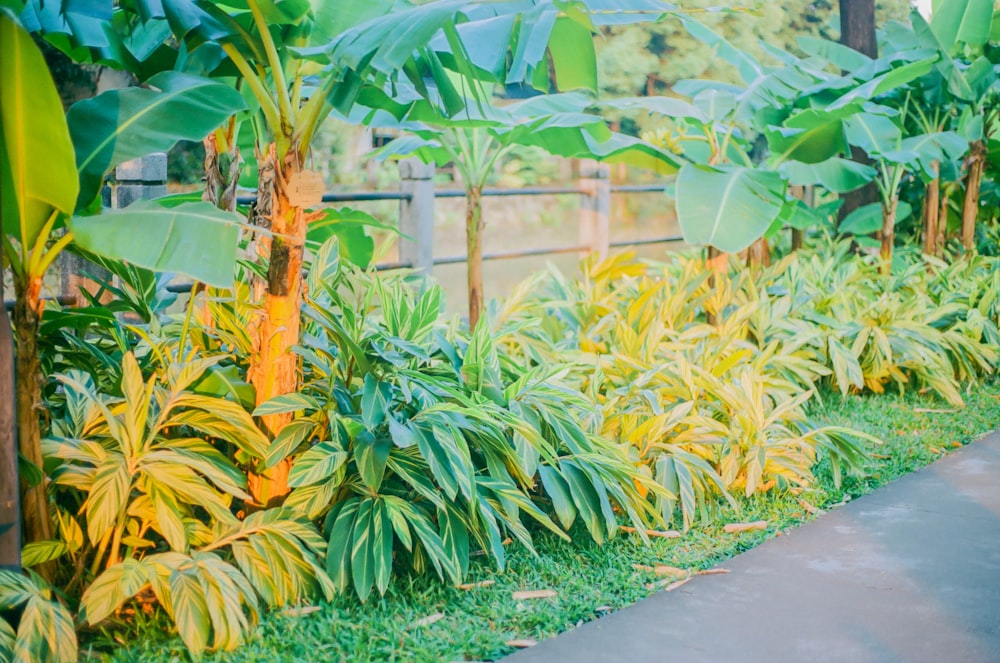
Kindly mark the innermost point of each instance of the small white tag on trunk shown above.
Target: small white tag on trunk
(305, 188)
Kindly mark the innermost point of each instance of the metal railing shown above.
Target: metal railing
(416, 195)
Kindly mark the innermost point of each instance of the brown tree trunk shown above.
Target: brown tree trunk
(932, 207)
(474, 241)
(758, 254)
(857, 31)
(273, 369)
(798, 239)
(970, 207)
(857, 26)
(716, 262)
(888, 234)
(34, 499)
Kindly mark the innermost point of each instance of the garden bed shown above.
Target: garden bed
(421, 619)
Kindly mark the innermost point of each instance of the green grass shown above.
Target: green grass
(590, 580)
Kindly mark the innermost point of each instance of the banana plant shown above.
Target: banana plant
(52, 166)
(881, 137)
(556, 123)
(959, 31)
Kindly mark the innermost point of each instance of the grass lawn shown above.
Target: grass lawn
(422, 620)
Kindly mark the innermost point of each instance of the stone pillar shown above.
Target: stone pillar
(416, 215)
(595, 207)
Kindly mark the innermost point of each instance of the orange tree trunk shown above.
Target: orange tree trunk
(970, 207)
(34, 497)
(273, 368)
(474, 240)
(932, 209)
(888, 232)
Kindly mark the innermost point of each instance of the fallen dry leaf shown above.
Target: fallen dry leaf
(429, 619)
(669, 534)
(474, 585)
(934, 450)
(674, 585)
(810, 508)
(713, 572)
(660, 569)
(733, 528)
(522, 643)
(529, 594)
(300, 611)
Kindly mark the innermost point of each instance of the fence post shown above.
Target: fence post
(595, 207)
(140, 179)
(416, 214)
(10, 508)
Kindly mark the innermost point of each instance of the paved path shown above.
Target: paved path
(909, 573)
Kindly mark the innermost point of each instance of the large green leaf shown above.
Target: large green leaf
(727, 208)
(195, 239)
(867, 219)
(120, 125)
(887, 82)
(837, 175)
(962, 21)
(877, 135)
(37, 161)
(810, 136)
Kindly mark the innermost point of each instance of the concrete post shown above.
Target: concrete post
(140, 179)
(595, 207)
(10, 507)
(416, 215)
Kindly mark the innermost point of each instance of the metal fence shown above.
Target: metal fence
(146, 178)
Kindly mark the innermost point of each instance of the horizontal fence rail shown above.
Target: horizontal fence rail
(416, 198)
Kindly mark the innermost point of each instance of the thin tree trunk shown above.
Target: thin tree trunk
(758, 254)
(798, 239)
(34, 499)
(273, 370)
(474, 240)
(716, 264)
(888, 234)
(942, 226)
(970, 207)
(932, 207)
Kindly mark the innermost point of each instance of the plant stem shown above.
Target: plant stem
(474, 241)
(932, 207)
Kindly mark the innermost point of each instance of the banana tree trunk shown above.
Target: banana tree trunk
(888, 234)
(28, 371)
(932, 208)
(970, 207)
(474, 241)
(273, 369)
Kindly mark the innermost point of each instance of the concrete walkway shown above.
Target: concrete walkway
(909, 573)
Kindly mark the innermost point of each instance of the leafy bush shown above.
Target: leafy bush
(708, 409)
(419, 443)
(145, 485)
